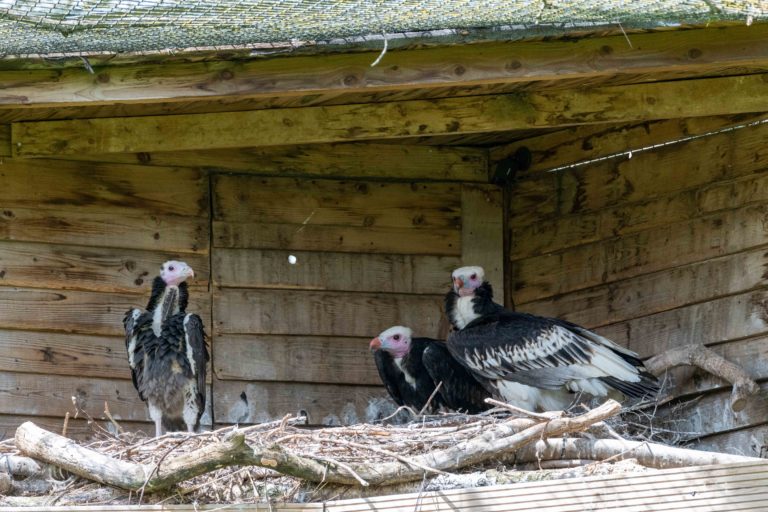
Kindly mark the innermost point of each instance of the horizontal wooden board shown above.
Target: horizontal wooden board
(127, 79)
(752, 442)
(326, 404)
(393, 161)
(168, 233)
(646, 175)
(309, 237)
(588, 142)
(712, 414)
(78, 311)
(63, 354)
(295, 359)
(715, 321)
(651, 293)
(80, 429)
(87, 268)
(51, 395)
(341, 203)
(578, 229)
(339, 123)
(314, 313)
(648, 251)
(103, 187)
(250, 268)
(715, 488)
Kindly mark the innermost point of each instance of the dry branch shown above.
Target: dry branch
(495, 442)
(704, 358)
(647, 454)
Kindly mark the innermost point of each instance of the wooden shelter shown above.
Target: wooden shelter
(611, 176)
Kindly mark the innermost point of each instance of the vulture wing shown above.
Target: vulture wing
(546, 353)
(133, 321)
(196, 352)
(460, 390)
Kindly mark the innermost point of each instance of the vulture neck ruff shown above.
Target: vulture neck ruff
(464, 312)
(167, 307)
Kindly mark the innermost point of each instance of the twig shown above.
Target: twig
(118, 428)
(346, 467)
(429, 400)
(550, 415)
(66, 424)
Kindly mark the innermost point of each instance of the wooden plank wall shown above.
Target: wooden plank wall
(79, 245)
(369, 255)
(665, 248)
(80, 241)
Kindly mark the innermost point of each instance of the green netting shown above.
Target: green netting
(44, 27)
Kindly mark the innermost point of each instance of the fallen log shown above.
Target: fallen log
(496, 442)
(704, 358)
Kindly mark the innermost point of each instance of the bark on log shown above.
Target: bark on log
(19, 466)
(704, 358)
(651, 455)
(497, 442)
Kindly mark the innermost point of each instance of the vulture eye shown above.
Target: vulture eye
(396, 337)
(170, 268)
(473, 276)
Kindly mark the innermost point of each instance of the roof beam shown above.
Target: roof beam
(680, 53)
(589, 142)
(343, 123)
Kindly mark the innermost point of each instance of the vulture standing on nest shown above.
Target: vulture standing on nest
(531, 361)
(167, 352)
(412, 367)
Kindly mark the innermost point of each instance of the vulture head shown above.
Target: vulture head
(395, 340)
(175, 272)
(467, 279)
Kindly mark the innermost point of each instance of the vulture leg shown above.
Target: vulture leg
(157, 416)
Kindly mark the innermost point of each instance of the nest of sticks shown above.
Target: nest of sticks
(283, 461)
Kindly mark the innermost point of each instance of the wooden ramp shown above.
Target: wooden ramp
(731, 487)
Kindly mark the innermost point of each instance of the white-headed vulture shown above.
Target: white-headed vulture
(412, 367)
(167, 352)
(535, 362)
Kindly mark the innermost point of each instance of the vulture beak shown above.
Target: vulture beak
(375, 344)
(188, 272)
(458, 284)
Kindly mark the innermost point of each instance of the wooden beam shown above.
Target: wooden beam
(589, 142)
(5, 140)
(711, 51)
(392, 161)
(552, 108)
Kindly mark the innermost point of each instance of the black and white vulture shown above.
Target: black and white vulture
(167, 352)
(535, 362)
(411, 368)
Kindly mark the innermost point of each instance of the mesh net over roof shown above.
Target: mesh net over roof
(40, 27)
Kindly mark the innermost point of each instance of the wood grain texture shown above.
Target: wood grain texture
(107, 188)
(332, 360)
(51, 353)
(310, 237)
(326, 404)
(751, 441)
(582, 143)
(79, 429)
(51, 395)
(648, 251)
(482, 233)
(647, 175)
(530, 109)
(712, 414)
(659, 291)
(714, 321)
(400, 273)
(395, 161)
(5, 140)
(314, 313)
(88, 268)
(167, 233)
(330, 202)
(77, 311)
